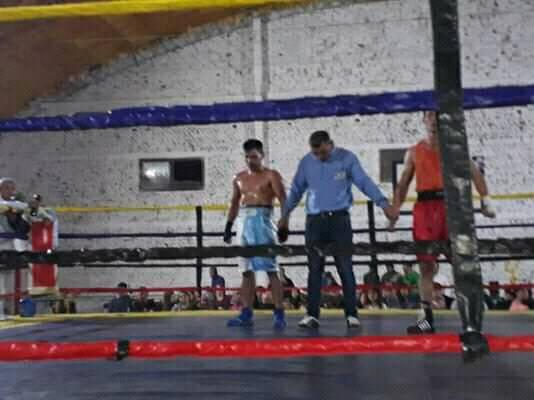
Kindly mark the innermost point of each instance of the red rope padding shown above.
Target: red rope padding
(511, 343)
(285, 348)
(35, 351)
(260, 348)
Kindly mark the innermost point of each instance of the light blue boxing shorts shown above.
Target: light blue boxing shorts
(256, 228)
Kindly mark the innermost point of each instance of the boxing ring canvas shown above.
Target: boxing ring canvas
(368, 376)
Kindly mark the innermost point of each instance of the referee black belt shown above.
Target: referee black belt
(326, 214)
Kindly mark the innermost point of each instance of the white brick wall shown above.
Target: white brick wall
(344, 49)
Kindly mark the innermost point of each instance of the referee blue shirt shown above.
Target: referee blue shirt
(329, 183)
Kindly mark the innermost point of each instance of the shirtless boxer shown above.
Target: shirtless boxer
(254, 191)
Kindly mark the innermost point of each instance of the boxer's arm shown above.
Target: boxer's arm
(482, 189)
(401, 191)
(280, 193)
(234, 202)
(479, 181)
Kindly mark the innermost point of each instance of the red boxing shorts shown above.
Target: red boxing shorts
(429, 223)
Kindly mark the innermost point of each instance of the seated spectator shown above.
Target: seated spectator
(390, 297)
(447, 292)
(371, 278)
(493, 300)
(410, 278)
(391, 276)
(184, 301)
(235, 301)
(519, 303)
(143, 303)
(217, 281)
(331, 296)
(264, 298)
(168, 300)
(371, 299)
(222, 301)
(438, 298)
(408, 298)
(297, 299)
(122, 302)
(208, 300)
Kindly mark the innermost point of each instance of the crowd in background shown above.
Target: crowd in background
(392, 290)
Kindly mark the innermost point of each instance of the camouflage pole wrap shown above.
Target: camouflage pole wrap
(456, 171)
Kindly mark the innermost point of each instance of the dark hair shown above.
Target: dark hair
(253, 144)
(122, 285)
(431, 111)
(317, 138)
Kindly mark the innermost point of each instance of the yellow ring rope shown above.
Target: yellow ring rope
(224, 207)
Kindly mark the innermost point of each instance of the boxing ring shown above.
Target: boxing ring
(191, 354)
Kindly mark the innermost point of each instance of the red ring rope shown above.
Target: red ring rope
(260, 348)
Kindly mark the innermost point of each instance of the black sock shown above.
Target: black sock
(429, 315)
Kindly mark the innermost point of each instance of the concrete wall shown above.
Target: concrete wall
(345, 48)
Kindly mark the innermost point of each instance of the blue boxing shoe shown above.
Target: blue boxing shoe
(243, 319)
(279, 321)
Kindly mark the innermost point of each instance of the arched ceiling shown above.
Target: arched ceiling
(38, 57)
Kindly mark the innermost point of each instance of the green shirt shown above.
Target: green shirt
(411, 278)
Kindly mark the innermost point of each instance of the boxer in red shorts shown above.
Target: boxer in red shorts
(429, 213)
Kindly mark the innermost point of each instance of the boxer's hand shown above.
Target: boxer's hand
(227, 237)
(392, 214)
(283, 234)
(283, 230)
(487, 207)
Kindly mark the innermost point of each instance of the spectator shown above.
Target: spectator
(410, 278)
(235, 301)
(494, 301)
(122, 302)
(222, 301)
(370, 299)
(168, 300)
(519, 303)
(390, 296)
(217, 281)
(438, 298)
(331, 297)
(408, 298)
(208, 300)
(391, 276)
(371, 277)
(143, 302)
(296, 299)
(443, 281)
(185, 301)
(264, 298)
(12, 207)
